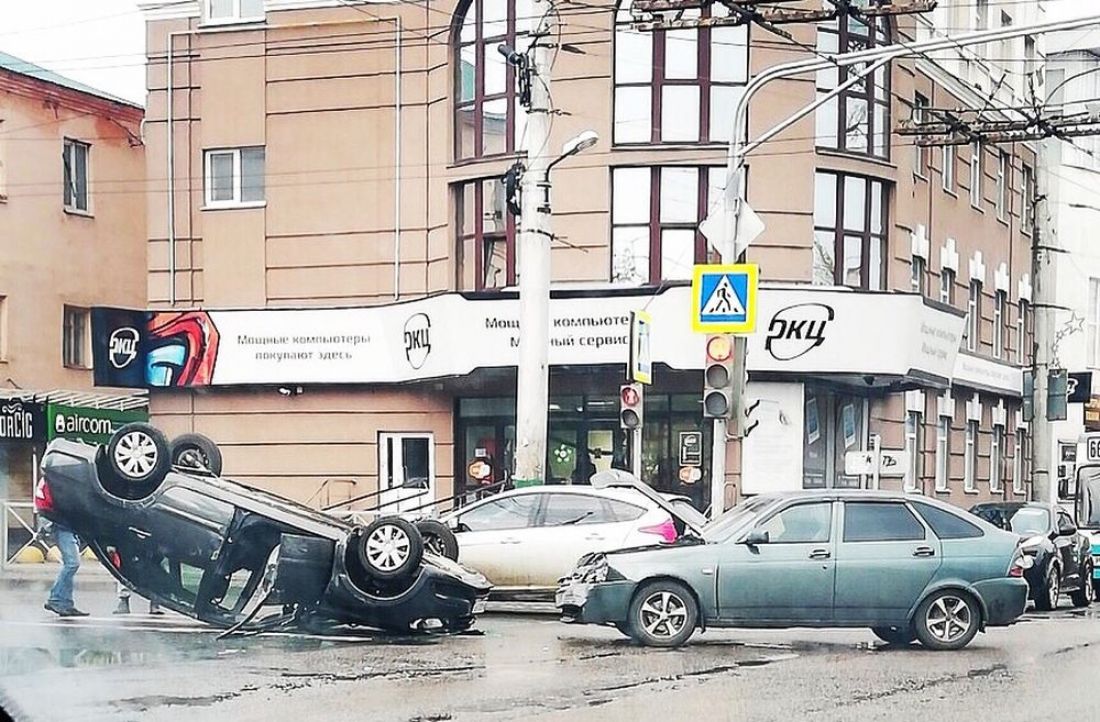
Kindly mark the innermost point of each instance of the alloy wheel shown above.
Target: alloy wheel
(136, 454)
(1054, 588)
(388, 547)
(949, 619)
(663, 614)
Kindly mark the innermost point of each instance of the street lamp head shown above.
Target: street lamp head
(582, 142)
(510, 54)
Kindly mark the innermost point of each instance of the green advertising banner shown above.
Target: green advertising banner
(93, 426)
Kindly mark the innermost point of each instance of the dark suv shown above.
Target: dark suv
(219, 551)
(1063, 559)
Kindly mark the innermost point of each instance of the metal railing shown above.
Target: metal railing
(17, 530)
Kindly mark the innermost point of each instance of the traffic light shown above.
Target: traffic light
(630, 406)
(718, 377)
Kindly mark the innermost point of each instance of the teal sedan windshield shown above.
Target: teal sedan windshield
(736, 518)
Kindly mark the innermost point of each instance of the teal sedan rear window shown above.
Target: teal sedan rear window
(945, 524)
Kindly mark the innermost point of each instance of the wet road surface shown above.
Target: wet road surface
(524, 666)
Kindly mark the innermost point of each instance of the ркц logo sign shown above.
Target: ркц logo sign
(796, 330)
(122, 348)
(418, 339)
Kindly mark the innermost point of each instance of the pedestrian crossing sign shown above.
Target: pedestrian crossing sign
(724, 298)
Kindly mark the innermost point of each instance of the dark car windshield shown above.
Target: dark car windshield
(1027, 520)
(721, 528)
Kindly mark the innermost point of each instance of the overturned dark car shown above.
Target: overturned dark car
(161, 519)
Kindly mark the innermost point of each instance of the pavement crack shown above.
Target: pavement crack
(1067, 650)
(922, 685)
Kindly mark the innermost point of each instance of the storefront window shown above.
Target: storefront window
(835, 424)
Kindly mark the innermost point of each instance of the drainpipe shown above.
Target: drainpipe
(397, 170)
(170, 160)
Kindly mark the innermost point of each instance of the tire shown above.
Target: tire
(662, 614)
(390, 548)
(1086, 595)
(195, 451)
(138, 459)
(438, 539)
(1046, 597)
(947, 620)
(895, 636)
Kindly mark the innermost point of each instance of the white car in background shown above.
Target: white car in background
(527, 539)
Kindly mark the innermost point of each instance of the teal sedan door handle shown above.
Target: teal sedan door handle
(924, 552)
(820, 554)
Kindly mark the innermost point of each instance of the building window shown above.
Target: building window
(947, 286)
(920, 152)
(678, 86)
(486, 236)
(948, 175)
(75, 161)
(943, 453)
(1004, 171)
(849, 231)
(970, 459)
(914, 444)
(976, 175)
(74, 351)
(858, 120)
(655, 214)
(1018, 462)
(917, 274)
(1021, 333)
(234, 177)
(996, 458)
(981, 14)
(489, 120)
(973, 332)
(1027, 189)
(221, 11)
(1092, 319)
(1000, 303)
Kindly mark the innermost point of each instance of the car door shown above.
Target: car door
(570, 525)
(787, 579)
(885, 560)
(493, 538)
(1069, 548)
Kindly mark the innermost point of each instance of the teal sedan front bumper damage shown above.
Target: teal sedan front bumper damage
(594, 602)
(1004, 600)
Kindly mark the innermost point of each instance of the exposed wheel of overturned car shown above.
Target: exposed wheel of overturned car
(663, 614)
(438, 539)
(137, 460)
(390, 548)
(195, 451)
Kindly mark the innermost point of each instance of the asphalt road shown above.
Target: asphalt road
(526, 666)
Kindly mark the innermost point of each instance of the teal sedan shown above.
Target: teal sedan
(909, 567)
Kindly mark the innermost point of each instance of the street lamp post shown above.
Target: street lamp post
(533, 374)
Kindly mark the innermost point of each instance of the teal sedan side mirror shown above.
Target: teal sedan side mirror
(755, 537)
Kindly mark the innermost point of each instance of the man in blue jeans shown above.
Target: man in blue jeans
(61, 595)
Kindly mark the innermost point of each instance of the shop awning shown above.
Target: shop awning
(80, 399)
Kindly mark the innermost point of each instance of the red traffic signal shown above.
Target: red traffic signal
(630, 406)
(718, 377)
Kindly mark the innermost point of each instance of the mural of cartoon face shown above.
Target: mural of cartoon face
(182, 349)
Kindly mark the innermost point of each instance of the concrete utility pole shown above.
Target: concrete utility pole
(533, 249)
(1044, 268)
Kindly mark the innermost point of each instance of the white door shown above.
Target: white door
(406, 472)
(494, 538)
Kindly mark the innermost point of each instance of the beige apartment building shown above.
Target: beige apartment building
(332, 264)
(72, 218)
